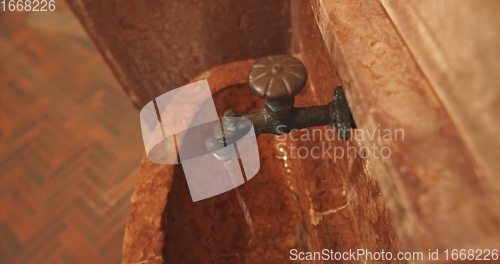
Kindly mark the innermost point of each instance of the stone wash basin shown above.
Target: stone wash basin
(295, 204)
(305, 204)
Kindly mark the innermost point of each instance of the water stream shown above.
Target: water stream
(241, 201)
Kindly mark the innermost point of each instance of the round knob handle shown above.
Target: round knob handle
(277, 77)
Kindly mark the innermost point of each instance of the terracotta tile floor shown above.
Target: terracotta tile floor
(70, 144)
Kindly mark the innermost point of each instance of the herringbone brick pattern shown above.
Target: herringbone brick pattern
(70, 144)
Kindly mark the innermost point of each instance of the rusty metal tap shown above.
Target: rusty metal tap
(277, 79)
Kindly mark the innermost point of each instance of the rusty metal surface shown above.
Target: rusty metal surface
(342, 181)
(161, 45)
(431, 183)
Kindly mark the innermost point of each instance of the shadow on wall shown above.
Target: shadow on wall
(166, 43)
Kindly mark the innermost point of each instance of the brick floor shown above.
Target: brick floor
(70, 144)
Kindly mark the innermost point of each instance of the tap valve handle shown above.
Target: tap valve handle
(277, 78)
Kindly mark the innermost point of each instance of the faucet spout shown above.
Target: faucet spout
(266, 122)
